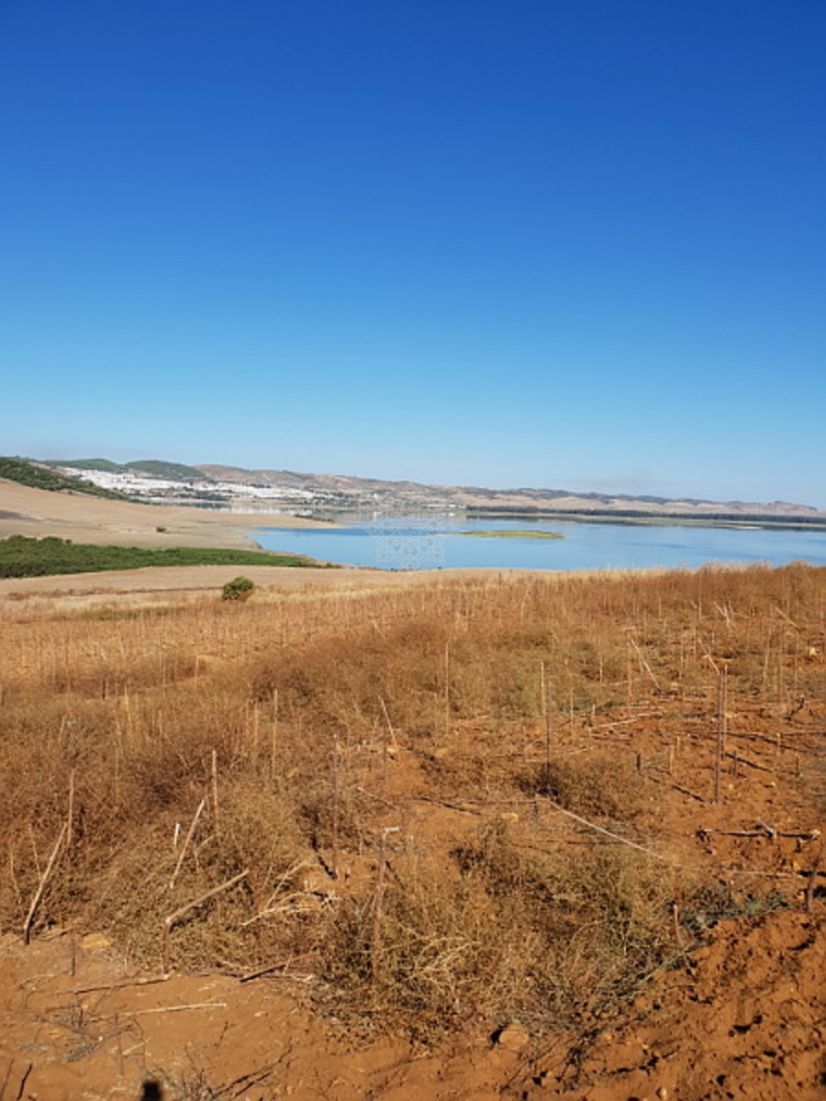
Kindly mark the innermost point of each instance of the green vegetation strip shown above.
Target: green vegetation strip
(24, 557)
(515, 534)
(40, 477)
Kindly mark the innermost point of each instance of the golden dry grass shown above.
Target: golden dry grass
(311, 724)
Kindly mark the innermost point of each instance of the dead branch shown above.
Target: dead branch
(170, 919)
(117, 985)
(44, 879)
(761, 829)
(271, 968)
(175, 1008)
(745, 761)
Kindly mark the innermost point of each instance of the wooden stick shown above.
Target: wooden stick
(71, 811)
(447, 689)
(170, 919)
(215, 788)
(546, 705)
(274, 733)
(187, 840)
(761, 830)
(721, 730)
(116, 986)
(175, 1008)
(745, 761)
(272, 967)
(38, 894)
(336, 798)
(378, 900)
(645, 664)
(389, 724)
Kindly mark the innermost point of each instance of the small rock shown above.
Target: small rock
(662, 1093)
(512, 1038)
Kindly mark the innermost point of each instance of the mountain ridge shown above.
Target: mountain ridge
(480, 497)
(221, 485)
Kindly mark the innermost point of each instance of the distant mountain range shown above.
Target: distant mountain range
(219, 486)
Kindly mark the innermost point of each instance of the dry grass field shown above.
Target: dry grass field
(469, 837)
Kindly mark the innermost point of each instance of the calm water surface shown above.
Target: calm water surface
(435, 542)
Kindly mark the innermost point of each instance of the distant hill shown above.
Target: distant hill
(342, 491)
(39, 476)
(218, 486)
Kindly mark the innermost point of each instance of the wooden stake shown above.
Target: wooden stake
(389, 724)
(187, 840)
(274, 734)
(256, 727)
(546, 702)
(378, 901)
(336, 797)
(447, 689)
(71, 811)
(214, 771)
(722, 685)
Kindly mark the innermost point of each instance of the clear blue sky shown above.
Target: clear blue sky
(574, 244)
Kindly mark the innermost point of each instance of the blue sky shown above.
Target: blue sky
(515, 243)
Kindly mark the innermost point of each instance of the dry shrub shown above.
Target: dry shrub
(256, 829)
(599, 787)
(552, 939)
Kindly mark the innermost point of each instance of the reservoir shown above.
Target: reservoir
(451, 542)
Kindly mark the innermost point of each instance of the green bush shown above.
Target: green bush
(237, 589)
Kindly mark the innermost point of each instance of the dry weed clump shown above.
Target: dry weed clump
(161, 754)
(555, 938)
(599, 787)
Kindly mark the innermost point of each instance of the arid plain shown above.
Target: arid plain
(472, 835)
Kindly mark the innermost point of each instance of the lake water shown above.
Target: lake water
(436, 543)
